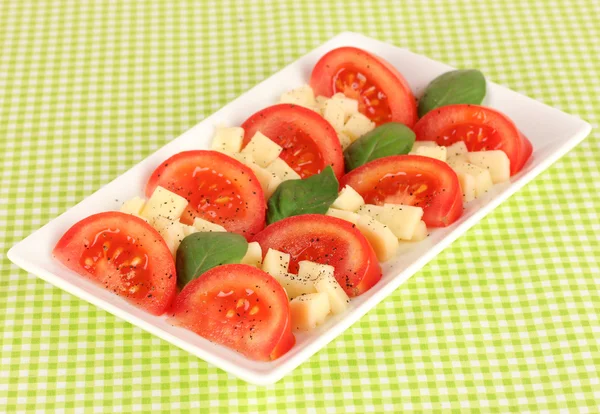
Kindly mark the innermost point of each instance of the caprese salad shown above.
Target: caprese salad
(289, 215)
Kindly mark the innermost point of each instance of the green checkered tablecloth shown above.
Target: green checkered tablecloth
(506, 319)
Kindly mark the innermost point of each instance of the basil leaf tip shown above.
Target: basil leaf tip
(202, 251)
(313, 195)
(463, 86)
(388, 139)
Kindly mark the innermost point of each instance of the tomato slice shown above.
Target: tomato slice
(412, 180)
(326, 240)
(238, 306)
(124, 254)
(382, 93)
(479, 127)
(309, 142)
(218, 188)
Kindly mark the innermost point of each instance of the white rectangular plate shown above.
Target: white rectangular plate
(552, 133)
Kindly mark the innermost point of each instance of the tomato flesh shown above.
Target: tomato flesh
(217, 187)
(382, 92)
(309, 142)
(479, 127)
(411, 180)
(125, 255)
(372, 101)
(238, 306)
(326, 240)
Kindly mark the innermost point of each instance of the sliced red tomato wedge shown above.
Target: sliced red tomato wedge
(218, 188)
(309, 142)
(411, 180)
(479, 127)
(382, 93)
(238, 306)
(326, 240)
(124, 254)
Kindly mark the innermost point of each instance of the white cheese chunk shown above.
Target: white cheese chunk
(164, 203)
(381, 238)
(481, 182)
(302, 96)
(204, 225)
(228, 139)
(496, 162)
(343, 214)
(348, 199)
(253, 256)
(263, 150)
(295, 285)
(420, 232)
(349, 105)
(400, 219)
(457, 152)
(171, 231)
(420, 144)
(282, 170)
(344, 139)
(276, 263)
(439, 153)
(357, 125)
(338, 299)
(133, 206)
(334, 114)
(309, 311)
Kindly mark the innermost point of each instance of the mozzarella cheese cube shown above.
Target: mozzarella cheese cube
(295, 285)
(228, 140)
(312, 271)
(171, 231)
(334, 114)
(338, 299)
(343, 214)
(267, 180)
(276, 263)
(320, 103)
(348, 199)
(420, 232)
(496, 162)
(439, 153)
(243, 157)
(420, 144)
(344, 139)
(481, 182)
(204, 225)
(308, 311)
(303, 96)
(282, 170)
(263, 150)
(133, 206)
(467, 186)
(253, 256)
(357, 125)
(163, 203)
(349, 105)
(400, 219)
(187, 230)
(457, 151)
(381, 238)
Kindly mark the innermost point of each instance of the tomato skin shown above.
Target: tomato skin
(318, 135)
(160, 286)
(204, 304)
(177, 174)
(498, 131)
(326, 240)
(400, 99)
(441, 200)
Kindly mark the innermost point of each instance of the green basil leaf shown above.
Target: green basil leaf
(464, 86)
(202, 251)
(313, 195)
(388, 139)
